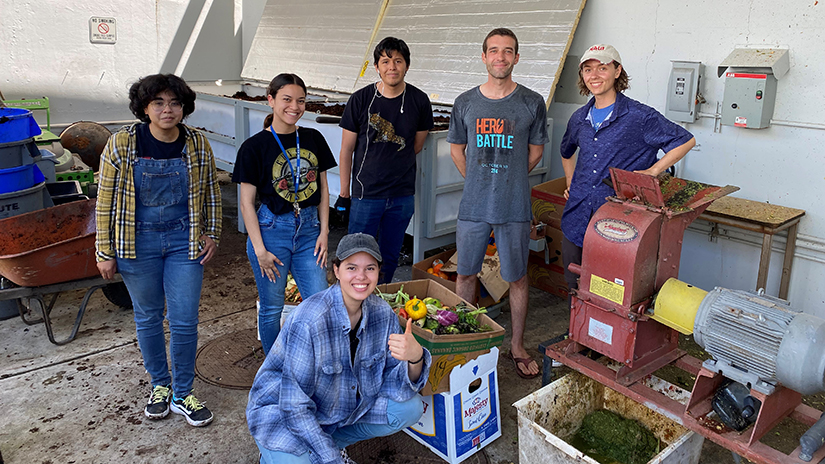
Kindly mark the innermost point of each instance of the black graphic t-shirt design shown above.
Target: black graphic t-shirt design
(383, 162)
(385, 132)
(283, 179)
(261, 162)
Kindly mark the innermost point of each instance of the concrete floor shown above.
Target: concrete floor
(83, 402)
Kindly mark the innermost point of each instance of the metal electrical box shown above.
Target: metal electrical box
(749, 99)
(682, 90)
(750, 85)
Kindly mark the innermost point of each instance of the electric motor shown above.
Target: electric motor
(760, 341)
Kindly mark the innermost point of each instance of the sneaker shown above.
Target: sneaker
(346, 457)
(192, 409)
(158, 405)
(556, 363)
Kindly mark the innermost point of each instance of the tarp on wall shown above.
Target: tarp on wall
(329, 42)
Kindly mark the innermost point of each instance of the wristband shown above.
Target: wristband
(419, 359)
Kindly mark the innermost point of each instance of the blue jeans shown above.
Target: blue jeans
(163, 271)
(399, 417)
(291, 240)
(386, 220)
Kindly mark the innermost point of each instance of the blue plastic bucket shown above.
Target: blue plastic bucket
(20, 178)
(17, 124)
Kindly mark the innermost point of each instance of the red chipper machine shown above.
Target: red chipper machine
(626, 316)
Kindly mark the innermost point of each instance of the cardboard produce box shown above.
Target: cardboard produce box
(448, 351)
(489, 275)
(458, 423)
(545, 269)
(547, 277)
(419, 271)
(552, 252)
(548, 201)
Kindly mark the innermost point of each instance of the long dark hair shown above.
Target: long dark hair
(277, 83)
(146, 89)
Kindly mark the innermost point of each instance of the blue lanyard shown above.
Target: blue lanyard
(296, 175)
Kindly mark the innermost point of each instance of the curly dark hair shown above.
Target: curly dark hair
(621, 84)
(147, 89)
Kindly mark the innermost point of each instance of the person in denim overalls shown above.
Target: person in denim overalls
(158, 222)
(285, 166)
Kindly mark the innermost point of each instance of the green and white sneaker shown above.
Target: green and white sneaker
(158, 405)
(192, 409)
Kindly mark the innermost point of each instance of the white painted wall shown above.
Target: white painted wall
(46, 49)
(781, 165)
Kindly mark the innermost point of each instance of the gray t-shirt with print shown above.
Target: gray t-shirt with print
(497, 134)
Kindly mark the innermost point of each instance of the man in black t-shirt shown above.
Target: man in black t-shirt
(384, 127)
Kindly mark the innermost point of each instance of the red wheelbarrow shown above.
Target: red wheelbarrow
(50, 251)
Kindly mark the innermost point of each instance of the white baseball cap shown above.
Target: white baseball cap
(606, 54)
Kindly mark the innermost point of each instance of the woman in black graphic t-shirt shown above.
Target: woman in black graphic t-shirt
(285, 166)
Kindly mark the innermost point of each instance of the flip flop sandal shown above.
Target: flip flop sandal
(526, 363)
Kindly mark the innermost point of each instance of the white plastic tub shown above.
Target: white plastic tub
(549, 417)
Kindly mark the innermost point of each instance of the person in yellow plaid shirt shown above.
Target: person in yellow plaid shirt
(158, 223)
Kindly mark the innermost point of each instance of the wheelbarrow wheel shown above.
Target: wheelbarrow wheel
(118, 295)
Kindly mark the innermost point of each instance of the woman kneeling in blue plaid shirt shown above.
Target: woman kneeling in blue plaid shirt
(341, 370)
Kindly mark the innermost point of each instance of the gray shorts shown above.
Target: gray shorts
(512, 241)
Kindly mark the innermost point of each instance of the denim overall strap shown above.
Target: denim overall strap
(162, 194)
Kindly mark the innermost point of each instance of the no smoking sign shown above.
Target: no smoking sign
(102, 30)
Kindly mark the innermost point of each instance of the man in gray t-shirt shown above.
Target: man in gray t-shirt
(497, 136)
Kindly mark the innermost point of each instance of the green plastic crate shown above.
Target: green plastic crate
(80, 176)
(86, 178)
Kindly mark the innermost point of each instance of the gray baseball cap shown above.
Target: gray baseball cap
(356, 243)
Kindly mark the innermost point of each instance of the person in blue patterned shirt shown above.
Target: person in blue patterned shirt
(611, 130)
(340, 371)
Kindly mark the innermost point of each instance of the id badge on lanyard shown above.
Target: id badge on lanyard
(296, 173)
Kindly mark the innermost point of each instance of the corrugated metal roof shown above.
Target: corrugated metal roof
(327, 42)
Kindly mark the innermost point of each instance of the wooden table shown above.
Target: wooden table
(766, 219)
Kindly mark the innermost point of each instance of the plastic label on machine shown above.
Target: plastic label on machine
(606, 289)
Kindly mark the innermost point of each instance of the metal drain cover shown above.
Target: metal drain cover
(401, 448)
(231, 360)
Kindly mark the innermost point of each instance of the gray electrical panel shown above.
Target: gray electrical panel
(682, 90)
(750, 85)
(749, 98)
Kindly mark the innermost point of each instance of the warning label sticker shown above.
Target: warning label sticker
(606, 289)
(600, 331)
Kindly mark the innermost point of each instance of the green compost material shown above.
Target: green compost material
(678, 192)
(617, 438)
